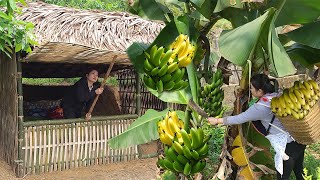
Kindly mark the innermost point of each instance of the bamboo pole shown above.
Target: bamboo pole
(138, 94)
(102, 85)
(20, 161)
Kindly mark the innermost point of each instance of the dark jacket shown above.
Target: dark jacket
(77, 98)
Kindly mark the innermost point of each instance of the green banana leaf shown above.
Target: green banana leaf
(305, 55)
(142, 130)
(308, 34)
(136, 56)
(198, 2)
(150, 9)
(206, 7)
(298, 12)
(237, 45)
(278, 57)
(180, 97)
(223, 4)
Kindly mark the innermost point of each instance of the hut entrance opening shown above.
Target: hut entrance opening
(43, 94)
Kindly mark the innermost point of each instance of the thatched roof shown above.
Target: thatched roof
(72, 40)
(69, 35)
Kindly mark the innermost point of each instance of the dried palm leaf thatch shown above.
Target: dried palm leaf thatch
(94, 32)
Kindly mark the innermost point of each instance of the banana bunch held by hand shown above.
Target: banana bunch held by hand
(296, 101)
(211, 96)
(184, 152)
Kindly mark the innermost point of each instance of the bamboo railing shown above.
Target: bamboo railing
(57, 145)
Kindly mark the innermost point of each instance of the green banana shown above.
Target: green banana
(165, 59)
(172, 67)
(199, 166)
(177, 166)
(170, 154)
(203, 150)
(178, 74)
(147, 66)
(187, 169)
(159, 86)
(148, 81)
(195, 138)
(177, 147)
(153, 51)
(183, 160)
(166, 78)
(186, 139)
(157, 56)
(163, 70)
(155, 71)
(195, 154)
(168, 86)
(187, 152)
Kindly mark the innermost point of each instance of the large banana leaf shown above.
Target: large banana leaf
(238, 44)
(206, 7)
(305, 55)
(308, 35)
(278, 57)
(298, 12)
(142, 130)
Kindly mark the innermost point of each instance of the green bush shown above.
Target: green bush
(104, 5)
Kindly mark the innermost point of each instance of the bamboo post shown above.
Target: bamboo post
(138, 94)
(20, 161)
(102, 85)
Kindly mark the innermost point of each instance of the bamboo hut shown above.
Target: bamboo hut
(70, 41)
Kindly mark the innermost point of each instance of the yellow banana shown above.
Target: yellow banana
(178, 41)
(274, 105)
(299, 96)
(309, 87)
(187, 41)
(288, 101)
(165, 139)
(172, 126)
(314, 85)
(168, 130)
(294, 99)
(295, 115)
(185, 61)
(306, 93)
(179, 49)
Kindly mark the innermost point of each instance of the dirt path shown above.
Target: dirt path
(136, 170)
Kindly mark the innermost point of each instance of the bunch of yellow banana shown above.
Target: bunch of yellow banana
(183, 50)
(211, 96)
(184, 152)
(161, 75)
(297, 100)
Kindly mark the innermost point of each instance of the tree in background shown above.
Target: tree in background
(15, 35)
(104, 5)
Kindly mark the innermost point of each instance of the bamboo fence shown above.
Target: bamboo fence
(58, 145)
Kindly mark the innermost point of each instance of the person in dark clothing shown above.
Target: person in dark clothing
(81, 95)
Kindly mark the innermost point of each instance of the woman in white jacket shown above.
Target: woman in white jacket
(264, 90)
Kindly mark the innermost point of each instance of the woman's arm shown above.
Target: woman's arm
(255, 112)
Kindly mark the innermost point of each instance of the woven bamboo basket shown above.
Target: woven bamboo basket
(306, 130)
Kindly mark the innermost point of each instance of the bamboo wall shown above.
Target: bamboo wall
(8, 110)
(58, 145)
(127, 90)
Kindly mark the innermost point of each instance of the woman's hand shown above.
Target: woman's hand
(215, 121)
(99, 91)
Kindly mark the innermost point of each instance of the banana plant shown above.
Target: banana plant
(255, 43)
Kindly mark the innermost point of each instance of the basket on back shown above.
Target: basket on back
(298, 109)
(306, 130)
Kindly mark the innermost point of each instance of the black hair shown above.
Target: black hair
(91, 69)
(262, 81)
